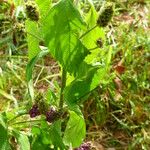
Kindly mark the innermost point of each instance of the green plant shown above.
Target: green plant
(60, 31)
(68, 57)
(72, 41)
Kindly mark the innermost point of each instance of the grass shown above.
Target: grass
(121, 107)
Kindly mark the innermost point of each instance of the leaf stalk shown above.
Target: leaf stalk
(84, 34)
(63, 85)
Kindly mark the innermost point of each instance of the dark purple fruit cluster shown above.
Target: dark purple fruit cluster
(34, 111)
(84, 146)
(52, 115)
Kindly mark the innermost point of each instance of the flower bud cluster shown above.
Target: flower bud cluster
(32, 11)
(105, 15)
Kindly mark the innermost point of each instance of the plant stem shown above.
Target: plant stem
(87, 32)
(30, 121)
(49, 77)
(19, 115)
(63, 85)
(14, 57)
(93, 48)
(35, 36)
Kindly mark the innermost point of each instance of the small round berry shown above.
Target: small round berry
(34, 111)
(99, 43)
(52, 115)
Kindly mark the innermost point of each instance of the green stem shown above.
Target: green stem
(30, 121)
(63, 85)
(49, 77)
(87, 32)
(14, 57)
(93, 48)
(19, 115)
(35, 36)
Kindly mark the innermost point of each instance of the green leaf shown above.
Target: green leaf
(22, 139)
(89, 40)
(81, 86)
(44, 7)
(61, 32)
(75, 130)
(55, 135)
(29, 71)
(40, 138)
(33, 38)
(87, 79)
(36, 130)
(4, 144)
(76, 109)
(38, 144)
(91, 16)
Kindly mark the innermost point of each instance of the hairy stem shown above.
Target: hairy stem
(63, 85)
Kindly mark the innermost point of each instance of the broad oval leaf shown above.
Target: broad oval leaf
(55, 135)
(61, 30)
(81, 86)
(75, 131)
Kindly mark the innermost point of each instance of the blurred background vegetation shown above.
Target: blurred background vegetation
(118, 111)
